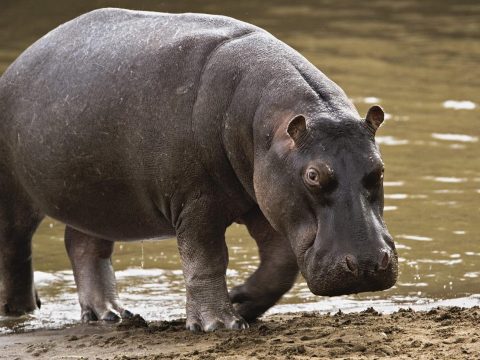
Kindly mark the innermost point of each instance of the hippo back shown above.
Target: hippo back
(146, 110)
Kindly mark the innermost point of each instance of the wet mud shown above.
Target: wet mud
(437, 334)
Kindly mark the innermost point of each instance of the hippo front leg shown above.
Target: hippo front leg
(274, 277)
(94, 276)
(201, 242)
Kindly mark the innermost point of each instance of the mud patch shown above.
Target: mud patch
(438, 333)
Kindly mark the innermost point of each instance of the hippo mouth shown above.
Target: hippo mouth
(334, 278)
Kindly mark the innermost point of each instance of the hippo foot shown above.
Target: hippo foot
(20, 305)
(211, 322)
(249, 305)
(16, 309)
(107, 315)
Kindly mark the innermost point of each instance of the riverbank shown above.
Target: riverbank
(439, 333)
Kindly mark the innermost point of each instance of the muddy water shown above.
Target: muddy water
(419, 60)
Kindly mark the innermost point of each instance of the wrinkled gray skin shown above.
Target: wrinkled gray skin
(131, 125)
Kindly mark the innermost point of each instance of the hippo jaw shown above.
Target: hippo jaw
(343, 274)
(332, 267)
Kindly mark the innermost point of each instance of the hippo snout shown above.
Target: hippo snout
(352, 264)
(350, 273)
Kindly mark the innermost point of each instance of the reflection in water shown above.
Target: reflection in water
(407, 55)
(393, 183)
(414, 237)
(396, 196)
(459, 105)
(446, 179)
(391, 140)
(455, 137)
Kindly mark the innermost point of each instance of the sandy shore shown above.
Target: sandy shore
(441, 333)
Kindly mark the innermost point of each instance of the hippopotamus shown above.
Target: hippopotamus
(129, 125)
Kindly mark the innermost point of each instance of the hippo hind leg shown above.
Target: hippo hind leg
(94, 276)
(18, 221)
(274, 277)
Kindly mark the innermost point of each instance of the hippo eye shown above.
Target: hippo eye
(312, 177)
(374, 179)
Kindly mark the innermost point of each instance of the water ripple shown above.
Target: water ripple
(459, 105)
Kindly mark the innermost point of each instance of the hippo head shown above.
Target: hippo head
(320, 184)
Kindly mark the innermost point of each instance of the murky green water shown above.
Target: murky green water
(418, 59)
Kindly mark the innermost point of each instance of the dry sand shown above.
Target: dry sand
(452, 333)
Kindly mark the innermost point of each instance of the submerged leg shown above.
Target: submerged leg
(274, 277)
(94, 276)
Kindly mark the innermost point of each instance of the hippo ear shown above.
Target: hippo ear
(374, 117)
(297, 127)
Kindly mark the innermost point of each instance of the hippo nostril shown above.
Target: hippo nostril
(351, 263)
(385, 260)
